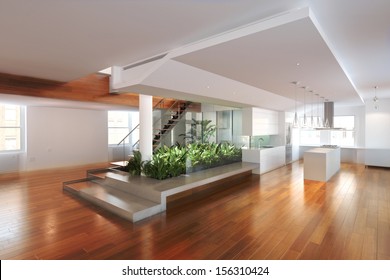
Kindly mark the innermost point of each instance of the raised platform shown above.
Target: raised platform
(138, 197)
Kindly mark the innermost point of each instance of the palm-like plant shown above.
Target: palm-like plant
(134, 164)
(200, 132)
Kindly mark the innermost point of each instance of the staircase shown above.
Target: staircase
(176, 113)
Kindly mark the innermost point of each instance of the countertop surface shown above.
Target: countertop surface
(262, 148)
(322, 150)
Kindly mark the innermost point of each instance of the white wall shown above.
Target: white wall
(377, 125)
(58, 137)
(377, 151)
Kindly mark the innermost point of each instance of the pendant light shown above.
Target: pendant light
(304, 108)
(296, 119)
(318, 123)
(312, 123)
(375, 99)
(323, 111)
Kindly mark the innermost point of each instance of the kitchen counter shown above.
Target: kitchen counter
(269, 158)
(320, 164)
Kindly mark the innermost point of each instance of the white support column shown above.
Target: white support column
(115, 78)
(146, 126)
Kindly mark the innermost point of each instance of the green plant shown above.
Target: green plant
(194, 154)
(230, 152)
(169, 162)
(201, 131)
(177, 160)
(166, 162)
(156, 168)
(134, 165)
(206, 155)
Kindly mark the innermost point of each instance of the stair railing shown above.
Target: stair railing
(179, 113)
(161, 101)
(168, 111)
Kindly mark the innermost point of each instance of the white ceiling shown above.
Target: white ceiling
(273, 58)
(342, 58)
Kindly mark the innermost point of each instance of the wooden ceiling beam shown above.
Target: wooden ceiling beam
(92, 88)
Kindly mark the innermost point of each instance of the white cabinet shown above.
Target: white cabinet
(269, 159)
(256, 121)
(272, 158)
(378, 157)
(251, 155)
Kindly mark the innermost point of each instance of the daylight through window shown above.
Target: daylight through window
(11, 130)
(120, 123)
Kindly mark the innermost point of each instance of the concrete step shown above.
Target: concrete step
(120, 163)
(77, 185)
(139, 197)
(126, 205)
(134, 185)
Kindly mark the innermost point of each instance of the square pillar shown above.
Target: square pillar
(146, 126)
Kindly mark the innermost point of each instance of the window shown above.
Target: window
(310, 137)
(11, 127)
(344, 137)
(120, 123)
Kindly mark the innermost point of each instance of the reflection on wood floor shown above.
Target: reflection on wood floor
(275, 216)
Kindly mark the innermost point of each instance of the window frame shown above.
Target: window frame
(129, 127)
(330, 134)
(346, 130)
(21, 127)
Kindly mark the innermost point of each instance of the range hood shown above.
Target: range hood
(329, 117)
(328, 114)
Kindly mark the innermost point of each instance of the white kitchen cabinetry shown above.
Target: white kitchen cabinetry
(256, 121)
(269, 158)
(378, 157)
(272, 158)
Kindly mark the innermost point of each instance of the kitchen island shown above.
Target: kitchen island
(320, 164)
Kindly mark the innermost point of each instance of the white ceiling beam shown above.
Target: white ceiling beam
(243, 31)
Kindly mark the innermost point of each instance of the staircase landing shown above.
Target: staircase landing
(139, 197)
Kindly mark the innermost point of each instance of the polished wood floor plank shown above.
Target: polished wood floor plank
(278, 215)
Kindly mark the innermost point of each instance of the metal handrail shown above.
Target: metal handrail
(169, 109)
(128, 134)
(177, 102)
(136, 142)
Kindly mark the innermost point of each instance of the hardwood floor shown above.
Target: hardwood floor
(275, 216)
